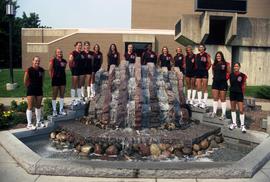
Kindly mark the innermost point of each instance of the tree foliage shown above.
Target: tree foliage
(31, 21)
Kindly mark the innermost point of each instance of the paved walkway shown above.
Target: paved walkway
(265, 105)
(10, 171)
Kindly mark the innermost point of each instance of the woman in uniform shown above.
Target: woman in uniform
(33, 80)
(130, 55)
(221, 70)
(57, 73)
(97, 62)
(237, 91)
(88, 59)
(149, 56)
(189, 67)
(165, 59)
(76, 64)
(178, 60)
(202, 64)
(113, 56)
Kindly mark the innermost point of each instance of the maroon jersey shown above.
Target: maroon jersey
(179, 61)
(59, 67)
(201, 61)
(237, 82)
(35, 76)
(165, 60)
(131, 58)
(220, 71)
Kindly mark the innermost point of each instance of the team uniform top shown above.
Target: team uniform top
(149, 57)
(113, 58)
(201, 63)
(35, 81)
(88, 61)
(78, 65)
(179, 61)
(237, 82)
(97, 61)
(189, 65)
(131, 58)
(58, 71)
(165, 60)
(220, 71)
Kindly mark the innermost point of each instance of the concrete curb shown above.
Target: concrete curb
(34, 164)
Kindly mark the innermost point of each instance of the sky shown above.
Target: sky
(115, 14)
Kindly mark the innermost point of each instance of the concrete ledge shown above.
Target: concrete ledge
(34, 164)
(20, 152)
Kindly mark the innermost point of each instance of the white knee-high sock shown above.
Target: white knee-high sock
(82, 91)
(93, 88)
(88, 91)
(188, 94)
(38, 114)
(233, 113)
(205, 97)
(61, 104)
(79, 93)
(215, 106)
(29, 117)
(223, 108)
(54, 105)
(242, 119)
(199, 96)
(194, 94)
(72, 93)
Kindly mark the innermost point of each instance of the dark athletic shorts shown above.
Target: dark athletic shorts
(220, 85)
(201, 74)
(34, 91)
(77, 71)
(236, 96)
(190, 74)
(58, 81)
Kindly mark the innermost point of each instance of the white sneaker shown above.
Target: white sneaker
(232, 126)
(40, 125)
(222, 117)
(243, 129)
(212, 115)
(54, 113)
(202, 105)
(197, 104)
(62, 112)
(31, 127)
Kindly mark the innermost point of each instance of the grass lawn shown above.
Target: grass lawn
(21, 91)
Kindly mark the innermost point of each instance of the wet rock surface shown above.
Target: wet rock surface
(137, 96)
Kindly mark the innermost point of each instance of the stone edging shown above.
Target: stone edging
(34, 164)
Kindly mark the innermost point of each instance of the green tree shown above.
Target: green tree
(31, 21)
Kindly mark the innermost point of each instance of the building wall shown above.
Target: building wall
(46, 51)
(161, 14)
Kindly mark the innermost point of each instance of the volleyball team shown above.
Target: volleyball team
(84, 63)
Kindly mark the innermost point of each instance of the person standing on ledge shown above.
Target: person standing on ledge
(221, 71)
(130, 57)
(33, 80)
(165, 59)
(76, 65)
(202, 64)
(237, 91)
(97, 62)
(88, 59)
(178, 61)
(113, 56)
(57, 72)
(149, 58)
(189, 67)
